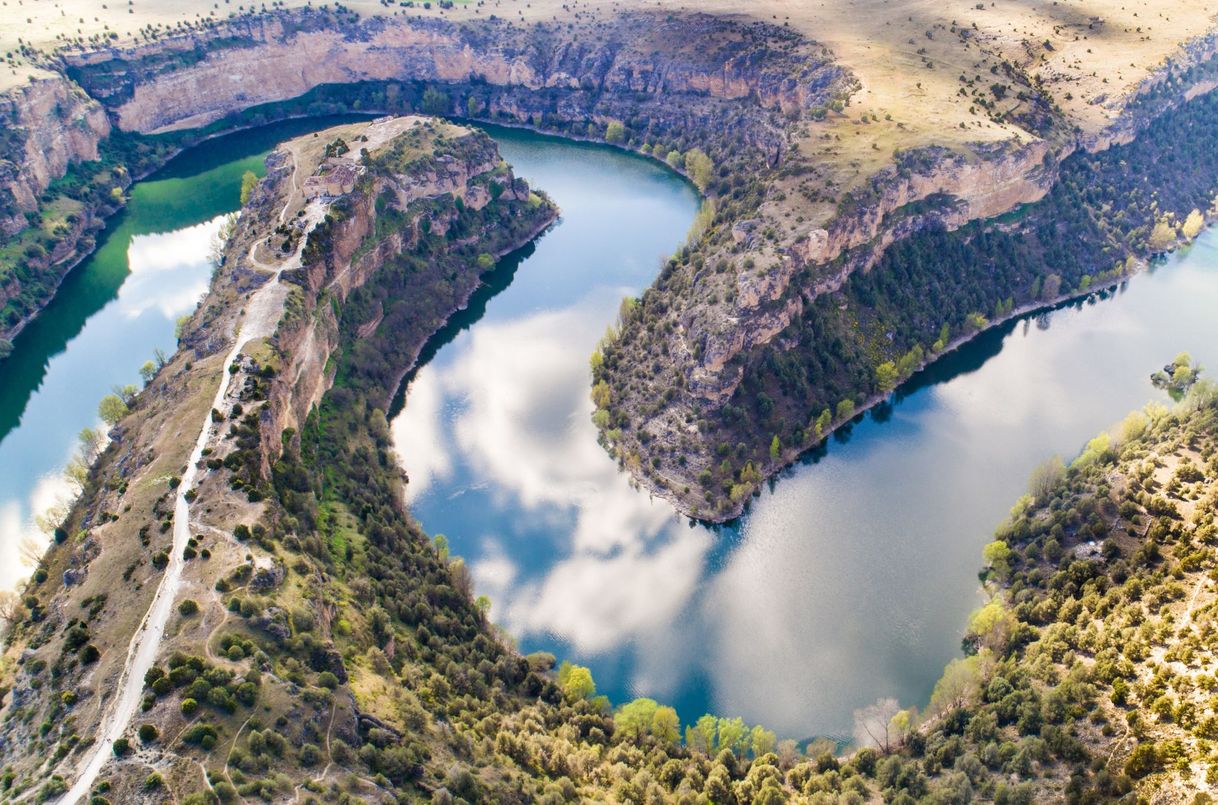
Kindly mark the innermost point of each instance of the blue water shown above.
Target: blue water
(852, 576)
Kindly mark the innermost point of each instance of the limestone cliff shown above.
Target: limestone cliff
(49, 124)
(752, 111)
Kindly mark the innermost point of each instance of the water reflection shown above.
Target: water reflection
(109, 316)
(852, 576)
(168, 274)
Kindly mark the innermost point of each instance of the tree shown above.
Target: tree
(991, 626)
(886, 376)
(699, 167)
(958, 684)
(635, 719)
(845, 410)
(11, 609)
(665, 725)
(147, 372)
(1052, 288)
(435, 102)
(1143, 761)
(249, 180)
(997, 555)
(701, 736)
(1163, 236)
(945, 333)
(775, 448)
(823, 422)
(111, 409)
(615, 132)
(1193, 224)
(1046, 477)
(763, 740)
(732, 732)
(576, 681)
(873, 724)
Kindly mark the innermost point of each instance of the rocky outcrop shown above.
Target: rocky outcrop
(49, 124)
(930, 185)
(425, 198)
(195, 79)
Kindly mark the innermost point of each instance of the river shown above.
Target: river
(851, 577)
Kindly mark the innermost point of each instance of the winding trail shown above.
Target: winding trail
(260, 317)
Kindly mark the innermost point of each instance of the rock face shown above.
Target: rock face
(350, 249)
(49, 124)
(932, 185)
(753, 96)
(195, 80)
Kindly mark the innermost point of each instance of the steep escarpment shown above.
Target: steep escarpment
(176, 83)
(761, 118)
(784, 345)
(672, 83)
(50, 124)
(340, 218)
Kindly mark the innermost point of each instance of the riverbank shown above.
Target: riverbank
(275, 370)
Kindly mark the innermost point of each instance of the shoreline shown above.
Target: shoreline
(791, 457)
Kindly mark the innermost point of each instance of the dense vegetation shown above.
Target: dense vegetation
(1090, 670)
(927, 292)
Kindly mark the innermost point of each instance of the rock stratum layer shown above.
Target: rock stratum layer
(757, 114)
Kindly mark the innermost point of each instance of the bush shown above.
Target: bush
(310, 755)
(148, 733)
(188, 607)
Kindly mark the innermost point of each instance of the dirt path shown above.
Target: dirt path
(260, 317)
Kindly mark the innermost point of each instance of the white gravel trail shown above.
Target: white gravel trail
(262, 313)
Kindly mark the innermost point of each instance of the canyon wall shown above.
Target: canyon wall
(49, 124)
(753, 97)
(196, 79)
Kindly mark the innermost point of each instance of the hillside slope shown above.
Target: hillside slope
(825, 137)
(322, 647)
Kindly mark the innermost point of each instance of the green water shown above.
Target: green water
(118, 306)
